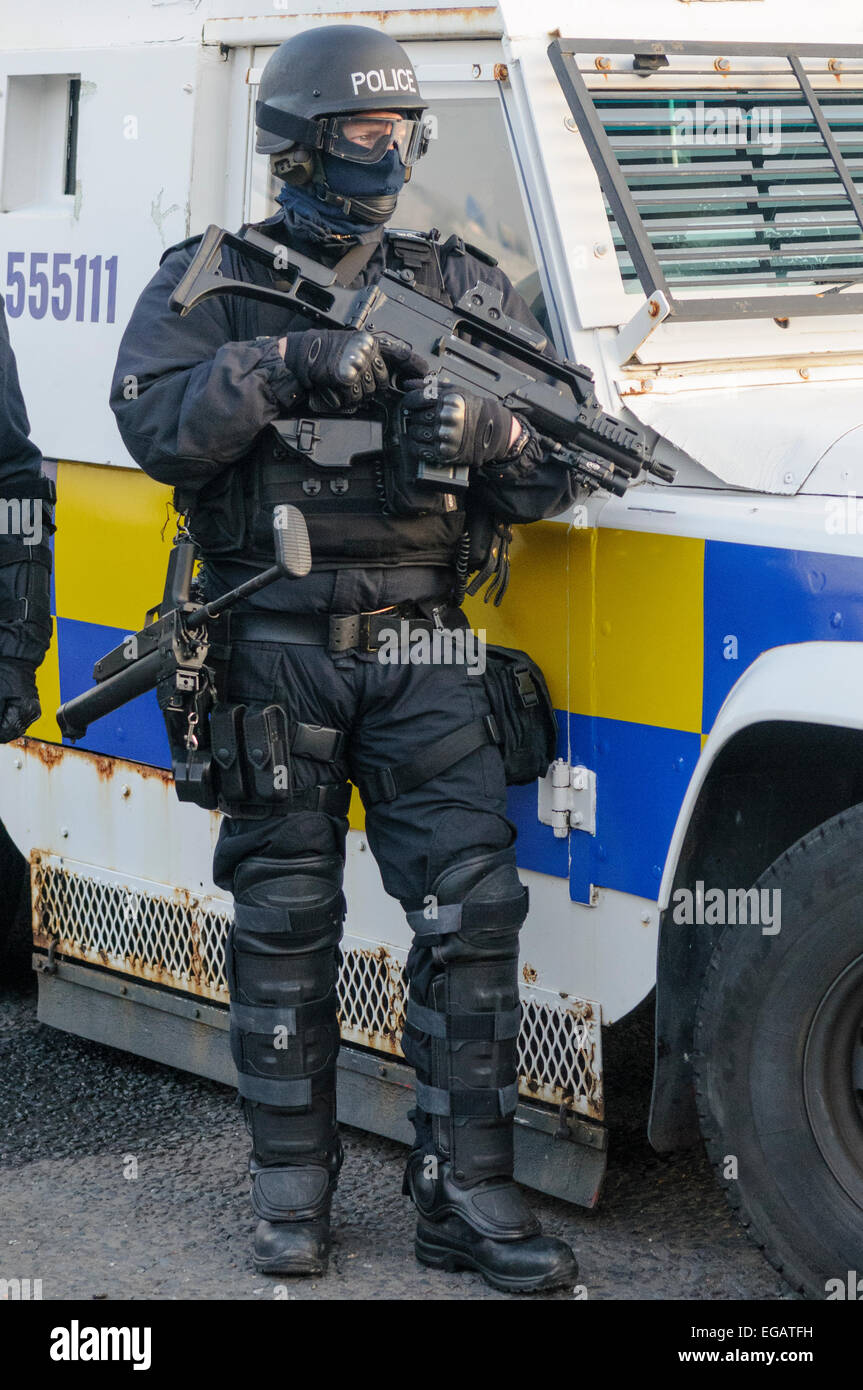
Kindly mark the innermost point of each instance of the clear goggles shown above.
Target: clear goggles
(367, 139)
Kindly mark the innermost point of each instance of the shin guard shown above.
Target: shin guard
(282, 970)
(463, 1017)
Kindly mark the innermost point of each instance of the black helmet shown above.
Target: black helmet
(315, 86)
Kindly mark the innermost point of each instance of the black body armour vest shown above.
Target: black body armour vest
(348, 505)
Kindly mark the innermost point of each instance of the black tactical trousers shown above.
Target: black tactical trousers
(285, 872)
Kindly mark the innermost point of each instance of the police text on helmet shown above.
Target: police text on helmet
(379, 80)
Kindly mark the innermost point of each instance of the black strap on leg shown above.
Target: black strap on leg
(447, 919)
(464, 1027)
(464, 1105)
(294, 1093)
(332, 799)
(390, 782)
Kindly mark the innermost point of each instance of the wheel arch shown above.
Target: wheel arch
(785, 754)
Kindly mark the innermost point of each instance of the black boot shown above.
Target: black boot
(292, 1247)
(461, 1035)
(488, 1228)
(299, 1241)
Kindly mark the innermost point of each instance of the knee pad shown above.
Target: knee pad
(299, 882)
(477, 909)
(482, 878)
(286, 908)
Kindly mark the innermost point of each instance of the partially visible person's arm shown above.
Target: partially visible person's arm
(25, 555)
(188, 400)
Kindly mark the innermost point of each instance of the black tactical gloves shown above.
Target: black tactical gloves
(453, 427)
(406, 366)
(340, 369)
(19, 703)
(337, 369)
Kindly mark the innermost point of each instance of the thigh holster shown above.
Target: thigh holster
(253, 752)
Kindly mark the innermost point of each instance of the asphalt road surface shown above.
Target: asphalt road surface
(121, 1178)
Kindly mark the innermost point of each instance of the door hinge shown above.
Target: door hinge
(567, 799)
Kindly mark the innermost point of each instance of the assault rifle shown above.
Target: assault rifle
(475, 345)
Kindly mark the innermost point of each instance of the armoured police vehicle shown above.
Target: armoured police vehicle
(684, 213)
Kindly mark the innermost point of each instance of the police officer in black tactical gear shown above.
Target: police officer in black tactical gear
(26, 495)
(308, 705)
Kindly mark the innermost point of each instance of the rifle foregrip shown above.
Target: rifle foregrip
(76, 715)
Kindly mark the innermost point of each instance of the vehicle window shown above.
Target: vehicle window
(467, 184)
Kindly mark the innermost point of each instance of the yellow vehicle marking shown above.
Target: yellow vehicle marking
(48, 686)
(109, 556)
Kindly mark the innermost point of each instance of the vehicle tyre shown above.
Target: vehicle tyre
(779, 1063)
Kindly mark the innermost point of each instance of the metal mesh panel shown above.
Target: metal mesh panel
(559, 1057)
(372, 997)
(167, 935)
(720, 204)
(175, 938)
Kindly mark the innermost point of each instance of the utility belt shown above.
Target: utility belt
(242, 759)
(341, 632)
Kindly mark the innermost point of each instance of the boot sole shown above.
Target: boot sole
(451, 1261)
(278, 1266)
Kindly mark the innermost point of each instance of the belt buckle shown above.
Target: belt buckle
(394, 611)
(355, 630)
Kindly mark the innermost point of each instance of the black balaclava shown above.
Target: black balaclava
(327, 227)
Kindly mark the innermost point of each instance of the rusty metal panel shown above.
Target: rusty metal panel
(421, 21)
(152, 931)
(373, 996)
(175, 938)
